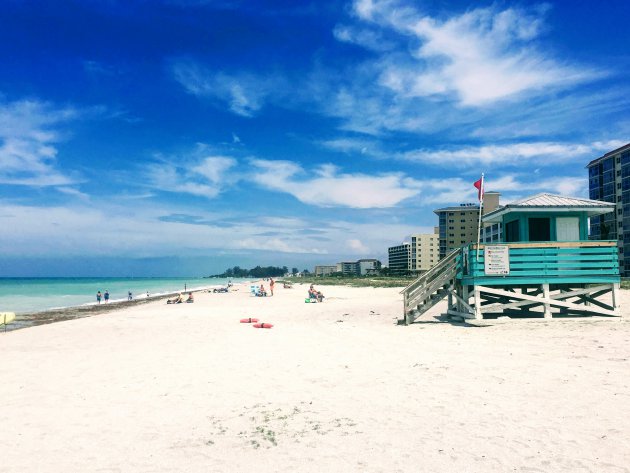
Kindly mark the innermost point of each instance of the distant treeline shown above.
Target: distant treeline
(257, 272)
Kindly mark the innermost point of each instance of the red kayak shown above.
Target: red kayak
(249, 321)
(263, 325)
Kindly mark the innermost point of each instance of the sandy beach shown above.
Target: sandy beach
(336, 386)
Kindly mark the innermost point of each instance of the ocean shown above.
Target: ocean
(22, 295)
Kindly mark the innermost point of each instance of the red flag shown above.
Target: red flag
(479, 185)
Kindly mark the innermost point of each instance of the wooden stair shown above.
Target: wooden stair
(430, 288)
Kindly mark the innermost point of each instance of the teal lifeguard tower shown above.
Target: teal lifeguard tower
(543, 265)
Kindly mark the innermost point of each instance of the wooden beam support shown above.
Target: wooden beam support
(547, 301)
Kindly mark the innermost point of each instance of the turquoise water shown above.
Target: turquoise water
(36, 294)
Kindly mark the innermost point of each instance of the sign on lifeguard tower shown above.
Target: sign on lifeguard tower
(496, 259)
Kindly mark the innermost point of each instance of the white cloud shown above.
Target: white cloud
(479, 57)
(366, 38)
(244, 93)
(324, 186)
(543, 153)
(73, 192)
(205, 177)
(356, 246)
(352, 145)
(276, 244)
(28, 134)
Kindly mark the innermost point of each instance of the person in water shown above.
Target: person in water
(98, 297)
(106, 297)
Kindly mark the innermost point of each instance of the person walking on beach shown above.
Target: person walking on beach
(271, 285)
(106, 296)
(98, 297)
(129, 296)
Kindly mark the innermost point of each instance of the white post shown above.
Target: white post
(465, 297)
(480, 210)
(478, 314)
(546, 297)
(615, 297)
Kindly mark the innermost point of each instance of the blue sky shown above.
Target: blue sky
(180, 137)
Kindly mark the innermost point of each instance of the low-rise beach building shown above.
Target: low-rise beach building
(325, 270)
(361, 267)
(369, 266)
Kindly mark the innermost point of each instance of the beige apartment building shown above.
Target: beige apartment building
(417, 254)
(325, 270)
(427, 250)
(458, 224)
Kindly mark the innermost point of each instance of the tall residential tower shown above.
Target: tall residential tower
(609, 180)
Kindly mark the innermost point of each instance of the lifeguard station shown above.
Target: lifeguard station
(543, 266)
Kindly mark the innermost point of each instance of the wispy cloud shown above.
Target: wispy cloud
(99, 68)
(244, 93)
(73, 192)
(29, 132)
(511, 186)
(199, 176)
(325, 186)
(543, 153)
(460, 73)
(480, 56)
(363, 37)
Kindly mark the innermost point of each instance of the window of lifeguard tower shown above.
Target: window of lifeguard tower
(539, 229)
(512, 231)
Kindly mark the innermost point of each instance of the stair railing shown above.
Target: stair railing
(419, 291)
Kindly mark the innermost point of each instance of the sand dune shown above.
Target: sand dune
(333, 386)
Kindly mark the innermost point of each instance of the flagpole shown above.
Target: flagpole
(480, 210)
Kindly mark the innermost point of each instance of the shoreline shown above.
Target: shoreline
(25, 320)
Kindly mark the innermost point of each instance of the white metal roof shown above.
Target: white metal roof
(553, 200)
(557, 203)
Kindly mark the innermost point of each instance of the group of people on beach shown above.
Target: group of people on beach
(312, 294)
(100, 296)
(261, 290)
(179, 299)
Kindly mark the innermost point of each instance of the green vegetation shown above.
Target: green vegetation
(257, 272)
(357, 281)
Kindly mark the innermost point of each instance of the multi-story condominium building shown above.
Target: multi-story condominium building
(369, 266)
(418, 254)
(609, 180)
(425, 250)
(347, 268)
(458, 225)
(399, 258)
(325, 270)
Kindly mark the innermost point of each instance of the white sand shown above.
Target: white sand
(333, 387)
